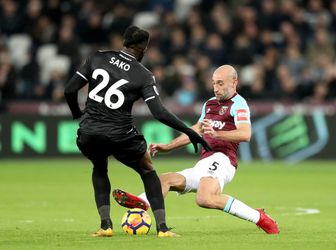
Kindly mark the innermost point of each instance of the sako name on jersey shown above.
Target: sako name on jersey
(120, 64)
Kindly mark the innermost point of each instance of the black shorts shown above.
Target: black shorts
(128, 149)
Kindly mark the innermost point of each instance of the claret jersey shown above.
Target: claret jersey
(116, 80)
(224, 116)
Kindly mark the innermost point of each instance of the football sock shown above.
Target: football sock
(154, 194)
(159, 215)
(104, 212)
(144, 197)
(241, 210)
(102, 189)
(105, 224)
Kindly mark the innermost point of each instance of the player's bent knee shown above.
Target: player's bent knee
(164, 178)
(174, 181)
(204, 201)
(169, 178)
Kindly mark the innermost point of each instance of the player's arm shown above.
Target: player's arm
(160, 113)
(242, 133)
(78, 80)
(178, 142)
(71, 94)
(163, 115)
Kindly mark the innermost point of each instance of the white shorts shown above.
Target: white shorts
(217, 166)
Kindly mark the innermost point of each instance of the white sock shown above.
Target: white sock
(241, 210)
(144, 197)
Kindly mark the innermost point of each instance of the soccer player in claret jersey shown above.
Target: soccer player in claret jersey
(224, 123)
(116, 80)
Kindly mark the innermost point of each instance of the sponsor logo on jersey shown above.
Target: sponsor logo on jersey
(242, 115)
(222, 110)
(120, 64)
(217, 124)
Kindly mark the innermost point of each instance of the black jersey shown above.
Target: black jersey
(116, 80)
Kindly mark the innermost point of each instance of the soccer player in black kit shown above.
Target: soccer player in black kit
(116, 80)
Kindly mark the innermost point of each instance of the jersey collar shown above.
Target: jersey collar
(125, 53)
(228, 98)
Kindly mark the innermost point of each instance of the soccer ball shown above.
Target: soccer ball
(136, 221)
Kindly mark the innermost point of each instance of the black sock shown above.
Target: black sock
(154, 195)
(102, 190)
(104, 212)
(105, 224)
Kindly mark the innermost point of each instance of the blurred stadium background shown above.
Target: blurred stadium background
(284, 51)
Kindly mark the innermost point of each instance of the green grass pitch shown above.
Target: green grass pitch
(48, 204)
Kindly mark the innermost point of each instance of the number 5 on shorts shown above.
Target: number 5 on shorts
(214, 166)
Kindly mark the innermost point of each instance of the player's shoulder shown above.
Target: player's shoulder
(145, 70)
(238, 99)
(238, 103)
(144, 75)
(105, 52)
(210, 100)
(100, 54)
(139, 67)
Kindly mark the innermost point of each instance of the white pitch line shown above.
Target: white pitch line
(194, 217)
(68, 220)
(65, 220)
(305, 211)
(298, 211)
(26, 221)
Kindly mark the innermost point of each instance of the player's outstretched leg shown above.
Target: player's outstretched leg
(129, 200)
(209, 196)
(258, 216)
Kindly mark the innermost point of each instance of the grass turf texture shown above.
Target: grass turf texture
(48, 204)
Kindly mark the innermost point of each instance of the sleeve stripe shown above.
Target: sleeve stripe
(81, 75)
(149, 98)
(200, 119)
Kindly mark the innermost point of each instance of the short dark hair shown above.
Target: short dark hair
(134, 36)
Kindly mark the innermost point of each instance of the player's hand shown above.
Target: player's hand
(155, 148)
(195, 139)
(208, 129)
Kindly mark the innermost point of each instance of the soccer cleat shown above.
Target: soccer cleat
(167, 234)
(266, 223)
(129, 200)
(103, 233)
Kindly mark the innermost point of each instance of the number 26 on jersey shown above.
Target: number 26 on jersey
(112, 90)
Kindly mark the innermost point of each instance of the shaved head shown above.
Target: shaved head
(226, 72)
(225, 80)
